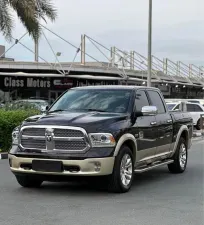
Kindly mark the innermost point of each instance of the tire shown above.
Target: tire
(120, 175)
(198, 125)
(28, 181)
(179, 165)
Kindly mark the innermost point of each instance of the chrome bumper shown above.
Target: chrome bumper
(87, 167)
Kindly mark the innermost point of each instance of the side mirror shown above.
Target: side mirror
(44, 109)
(149, 110)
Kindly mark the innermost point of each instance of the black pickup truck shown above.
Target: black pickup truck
(107, 131)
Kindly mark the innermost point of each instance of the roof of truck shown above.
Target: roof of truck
(124, 87)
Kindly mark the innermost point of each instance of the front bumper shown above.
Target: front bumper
(87, 167)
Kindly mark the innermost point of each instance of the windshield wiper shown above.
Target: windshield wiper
(96, 110)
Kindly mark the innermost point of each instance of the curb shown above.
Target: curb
(3, 156)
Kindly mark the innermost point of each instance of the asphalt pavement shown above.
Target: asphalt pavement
(156, 198)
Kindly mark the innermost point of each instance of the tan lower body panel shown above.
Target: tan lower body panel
(88, 167)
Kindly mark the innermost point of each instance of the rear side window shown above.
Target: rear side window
(198, 109)
(157, 101)
(141, 100)
(194, 108)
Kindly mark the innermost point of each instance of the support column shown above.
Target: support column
(178, 68)
(190, 70)
(83, 49)
(132, 60)
(149, 76)
(112, 56)
(165, 66)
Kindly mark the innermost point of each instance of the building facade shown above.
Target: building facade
(22, 80)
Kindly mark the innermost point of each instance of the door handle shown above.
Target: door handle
(153, 123)
(169, 121)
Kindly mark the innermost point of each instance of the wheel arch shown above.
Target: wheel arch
(128, 140)
(185, 136)
(183, 132)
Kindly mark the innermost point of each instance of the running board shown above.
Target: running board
(153, 166)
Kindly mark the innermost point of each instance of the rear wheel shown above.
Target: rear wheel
(28, 181)
(121, 179)
(180, 158)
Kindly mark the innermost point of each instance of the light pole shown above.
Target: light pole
(36, 50)
(149, 45)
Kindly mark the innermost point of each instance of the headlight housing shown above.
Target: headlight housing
(15, 136)
(102, 140)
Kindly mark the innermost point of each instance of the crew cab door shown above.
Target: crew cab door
(144, 129)
(164, 124)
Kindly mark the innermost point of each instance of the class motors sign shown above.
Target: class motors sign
(10, 82)
(54, 83)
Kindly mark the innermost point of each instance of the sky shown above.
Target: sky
(177, 30)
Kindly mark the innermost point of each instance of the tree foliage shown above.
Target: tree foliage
(9, 119)
(30, 13)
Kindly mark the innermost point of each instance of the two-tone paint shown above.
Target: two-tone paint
(149, 137)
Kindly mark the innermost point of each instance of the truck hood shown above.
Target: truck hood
(90, 121)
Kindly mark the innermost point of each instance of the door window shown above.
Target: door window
(193, 108)
(141, 100)
(157, 101)
(177, 107)
(197, 108)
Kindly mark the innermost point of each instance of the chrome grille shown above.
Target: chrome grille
(54, 138)
(34, 132)
(67, 133)
(74, 145)
(34, 144)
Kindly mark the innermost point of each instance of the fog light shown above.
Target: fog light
(97, 166)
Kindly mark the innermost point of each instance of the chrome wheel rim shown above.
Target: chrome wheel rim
(126, 170)
(183, 156)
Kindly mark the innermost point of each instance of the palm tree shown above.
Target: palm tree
(30, 12)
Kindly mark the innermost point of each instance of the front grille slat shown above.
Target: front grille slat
(72, 145)
(34, 144)
(37, 138)
(34, 132)
(67, 133)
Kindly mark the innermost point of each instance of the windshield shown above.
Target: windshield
(171, 106)
(115, 101)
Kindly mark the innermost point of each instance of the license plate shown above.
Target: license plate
(47, 166)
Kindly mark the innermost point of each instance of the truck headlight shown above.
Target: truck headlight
(15, 136)
(102, 140)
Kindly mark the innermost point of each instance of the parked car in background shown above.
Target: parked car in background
(199, 101)
(38, 104)
(109, 132)
(195, 110)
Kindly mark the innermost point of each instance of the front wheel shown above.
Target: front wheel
(180, 158)
(28, 181)
(121, 179)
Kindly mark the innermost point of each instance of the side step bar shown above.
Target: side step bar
(142, 170)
